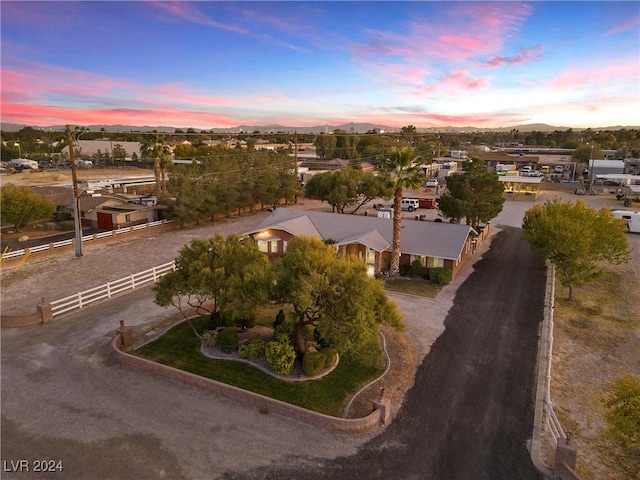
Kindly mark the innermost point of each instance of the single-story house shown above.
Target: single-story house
(106, 211)
(433, 244)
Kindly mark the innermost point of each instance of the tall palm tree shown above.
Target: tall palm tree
(404, 172)
(158, 149)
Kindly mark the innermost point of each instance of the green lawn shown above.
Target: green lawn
(413, 286)
(180, 348)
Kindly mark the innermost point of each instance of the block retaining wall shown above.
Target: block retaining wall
(260, 402)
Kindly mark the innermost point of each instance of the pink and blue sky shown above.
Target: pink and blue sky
(223, 64)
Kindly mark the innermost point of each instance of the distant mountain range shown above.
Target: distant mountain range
(348, 127)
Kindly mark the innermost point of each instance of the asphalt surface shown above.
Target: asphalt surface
(469, 414)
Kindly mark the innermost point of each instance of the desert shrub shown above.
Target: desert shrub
(50, 226)
(228, 339)
(210, 338)
(67, 225)
(316, 362)
(280, 355)
(217, 320)
(253, 349)
(440, 275)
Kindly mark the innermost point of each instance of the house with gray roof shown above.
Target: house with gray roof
(433, 244)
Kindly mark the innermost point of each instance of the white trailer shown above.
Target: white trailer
(24, 163)
(632, 218)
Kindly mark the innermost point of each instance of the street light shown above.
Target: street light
(19, 151)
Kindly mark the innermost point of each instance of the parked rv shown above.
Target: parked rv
(632, 218)
(23, 164)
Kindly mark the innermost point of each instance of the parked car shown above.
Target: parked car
(559, 169)
(410, 204)
(431, 183)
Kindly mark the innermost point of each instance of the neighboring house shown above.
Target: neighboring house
(434, 244)
(106, 211)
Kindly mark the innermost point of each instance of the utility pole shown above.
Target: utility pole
(76, 196)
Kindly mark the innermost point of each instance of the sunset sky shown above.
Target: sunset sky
(223, 64)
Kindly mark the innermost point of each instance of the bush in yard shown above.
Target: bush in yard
(228, 339)
(210, 338)
(253, 349)
(280, 355)
(416, 268)
(440, 275)
(287, 328)
(67, 225)
(314, 363)
(405, 269)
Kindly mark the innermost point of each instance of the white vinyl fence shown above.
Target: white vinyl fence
(553, 423)
(82, 299)
(87, 238)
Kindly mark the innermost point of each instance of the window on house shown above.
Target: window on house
(127, 218)
(263, 246)
(435, 262)
(421, 258)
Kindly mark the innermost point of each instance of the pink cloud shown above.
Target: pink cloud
(605, 74)
(523, 56)
(454, 82)
(484, 29)
(48, 115)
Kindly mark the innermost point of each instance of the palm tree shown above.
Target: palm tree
(155, 147)
(404, 172)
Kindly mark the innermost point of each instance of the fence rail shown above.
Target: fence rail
(86, 238)
(82, 299)
(553, 424)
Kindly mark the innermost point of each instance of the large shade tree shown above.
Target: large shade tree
(223, 275)
(331, 292)
(20, 205)
(576, 239)
(476, 195)
(403, 170)
(347, 188)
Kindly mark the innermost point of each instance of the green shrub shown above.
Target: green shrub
(440, 275)
(228, 339)
(405, 268)
(210, 337)
(253, 349)
(67, 225)
(314, 363)
(50, 226)
(287, 328)
(416, 268)
(280, 356)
